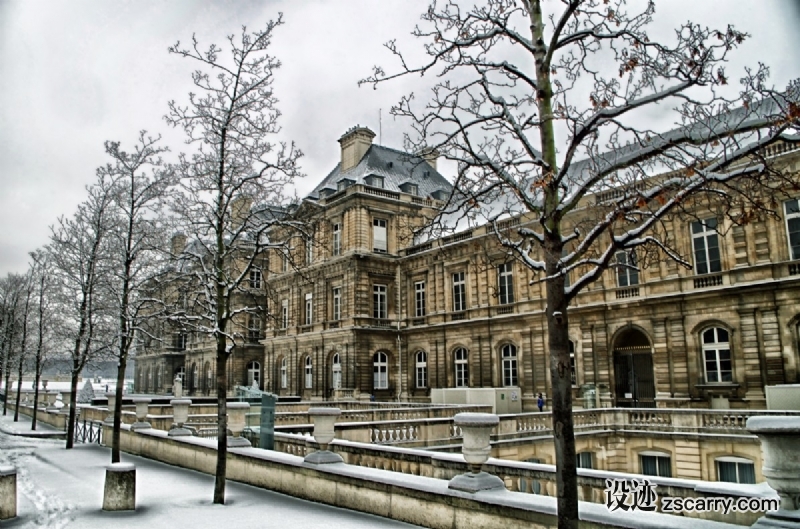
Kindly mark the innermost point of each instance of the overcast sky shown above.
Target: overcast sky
(76, 73)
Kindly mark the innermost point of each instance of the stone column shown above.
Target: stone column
(324, 432)
(781, 467)
(8, 492)
(119, 493)
(476, 429)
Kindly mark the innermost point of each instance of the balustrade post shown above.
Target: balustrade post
(781, 467)
(476, 429)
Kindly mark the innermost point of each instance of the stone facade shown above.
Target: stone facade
(359, 310)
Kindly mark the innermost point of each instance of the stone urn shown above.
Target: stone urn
(51, 401)
(112, 401)
(237, 420)
(180, 414)
(324, 421)
(781, 466)
(142, 407)
(476, 431)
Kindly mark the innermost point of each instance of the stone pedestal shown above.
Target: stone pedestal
(180, 414)
(119, 493)
(781, 467)
(237, 420)
(476, 430)
(112, 401)
(324, 432)
(142, 405)
(8, 492)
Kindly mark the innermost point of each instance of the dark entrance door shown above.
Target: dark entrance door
(635, 387)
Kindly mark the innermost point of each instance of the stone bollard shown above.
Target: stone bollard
(237, 420)
(142, 404)
(180, 414)
(324, 432)
(119, 493)
(8, 492)
(112, 401)
(476, 429)
(781, 466)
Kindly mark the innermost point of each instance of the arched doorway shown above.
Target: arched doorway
(633, 370)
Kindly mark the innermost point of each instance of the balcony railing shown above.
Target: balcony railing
(713, 280)
(794, 269)
(632, 292)
(458, 316)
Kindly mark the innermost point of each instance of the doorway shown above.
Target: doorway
(634, 380)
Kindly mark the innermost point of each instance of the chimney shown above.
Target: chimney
(355, 143)
(430, 155)
(240, 210)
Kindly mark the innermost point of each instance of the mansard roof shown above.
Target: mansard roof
(396, 168)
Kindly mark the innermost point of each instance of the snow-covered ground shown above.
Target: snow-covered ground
(64, 489)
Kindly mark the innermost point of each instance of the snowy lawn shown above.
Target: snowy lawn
(58, 488)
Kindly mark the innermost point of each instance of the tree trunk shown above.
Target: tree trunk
(73, 404)
(35, 395)
(222, 418)
(115, 436)
(8, 391)
(19, 387)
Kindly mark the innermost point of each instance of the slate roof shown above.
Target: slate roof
(396, 168)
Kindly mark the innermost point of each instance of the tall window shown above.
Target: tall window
(253, 374)
(736, 470)
(284, 313)
(309, 371)
(337, 372)
(255, 278)
(309, 308)
(706, 247)
(284, 374)
(419, 299)
(379, 301)
(337, 239)
(584, 460)
(284, 262)
(505, 283)
(462, 367)
(792, 210)
(337, 303)
(379, 235)
(309, 249)
(655, 464)
(627, 273)
(572, 375)
(509, 355)
(717, 355)
(380, 371)
(253, 327)
(459, 292)
(421, 369)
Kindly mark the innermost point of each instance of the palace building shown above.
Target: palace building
(356, 309)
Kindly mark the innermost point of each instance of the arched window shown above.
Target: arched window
(284, 374)
(180, 373)
(717, 355)
(337, 372)
(309, 371)
(736, 470)
(462, 367)
(421, 369)
(380, 371)
(509, 354)
(254, 374)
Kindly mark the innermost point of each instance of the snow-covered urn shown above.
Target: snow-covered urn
(180, 414)
(324, 420)
(66, 398)
(51, 401)
(237, 420)
(8, 492)
(476, 430)
(142, 404)
(112, 401)
(781, 465)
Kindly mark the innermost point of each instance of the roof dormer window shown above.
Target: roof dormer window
(343, 184)
(374, 181)
(410, 188)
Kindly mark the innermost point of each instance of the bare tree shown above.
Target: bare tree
(26, 292)
(10, 289)
(233, 189)
(79, 260)
(543, 110)
(139, 183)
(41, 276)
